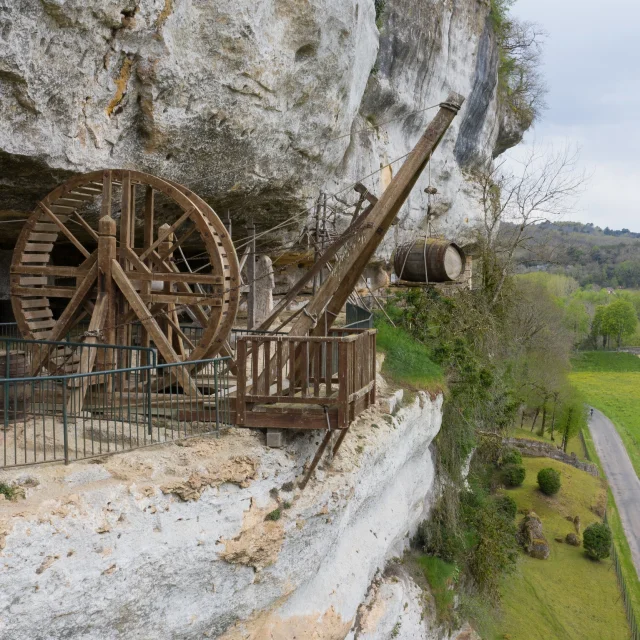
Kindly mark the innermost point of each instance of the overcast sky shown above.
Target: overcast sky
(592, 68)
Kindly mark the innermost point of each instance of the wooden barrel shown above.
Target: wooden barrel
(19, 393)
(429, 260)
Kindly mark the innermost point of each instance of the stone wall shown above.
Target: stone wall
(536, 449)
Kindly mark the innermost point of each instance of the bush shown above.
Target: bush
(511, 456)
(507, 506)
(549, 481)
(274, 515)
(596, 541)
(513, 475)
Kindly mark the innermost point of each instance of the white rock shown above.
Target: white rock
(154, 567)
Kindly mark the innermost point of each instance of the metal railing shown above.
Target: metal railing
(192, 332)
(63, 357)
(358, 317)
(9, 330)
(76, 416)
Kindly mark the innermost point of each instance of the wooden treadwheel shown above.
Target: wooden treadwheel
(121, 280)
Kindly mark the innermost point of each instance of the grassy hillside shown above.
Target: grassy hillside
(407, 362)
(611, 382)
(605, 361)
(568, 596)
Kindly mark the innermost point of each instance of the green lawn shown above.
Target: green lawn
(624, 554)
(407, 361)
(611, 382)
(568, 596)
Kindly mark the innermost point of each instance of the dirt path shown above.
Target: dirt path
(622, 478)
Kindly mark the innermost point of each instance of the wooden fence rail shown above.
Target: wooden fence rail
(304, 374)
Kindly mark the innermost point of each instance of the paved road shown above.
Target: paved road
(622, 478)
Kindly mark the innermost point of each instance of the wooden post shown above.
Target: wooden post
(145, 289)
(316, 246)
(241, 382)
(106, 285)
(173, 337)
(251, 277)
(123, 333)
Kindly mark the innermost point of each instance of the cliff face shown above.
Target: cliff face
(255, 105)
(176, 542)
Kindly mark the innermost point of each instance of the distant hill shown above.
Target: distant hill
(605, 257)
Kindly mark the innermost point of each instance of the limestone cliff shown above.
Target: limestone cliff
(255, 105)
(177, 541)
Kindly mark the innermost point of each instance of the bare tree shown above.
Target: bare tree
(543, 187)
(521, 83)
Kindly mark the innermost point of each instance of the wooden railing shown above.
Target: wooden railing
(305, 374)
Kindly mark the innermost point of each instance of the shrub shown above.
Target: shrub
(511, 456)
(507, 506)
(596, 541)
(274, 515)
(513, 475)
(10, 492)
(549, 481)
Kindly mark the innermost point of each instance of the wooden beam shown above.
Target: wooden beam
(166, 276)
(49, 270)
(146, 243)
(85, 225)
(66, 318)
(54, 218)
(181, 299)
(317, 457)
(164, 346)
(317, 268)
(168, 232)
(88, 357)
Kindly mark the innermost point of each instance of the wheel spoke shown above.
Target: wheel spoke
(54, 218)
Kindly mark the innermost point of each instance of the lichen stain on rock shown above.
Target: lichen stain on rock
(258, 543)
(167, 10)
(237, 470)
(121, 85)
(268, 626)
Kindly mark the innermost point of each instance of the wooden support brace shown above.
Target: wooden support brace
(317, 458)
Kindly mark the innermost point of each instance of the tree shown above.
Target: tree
(577, 320)
(496, 550)
(544, 186)
(597, 326)
(597, 541)
(521, 87)
(619, 319)
(573, 418)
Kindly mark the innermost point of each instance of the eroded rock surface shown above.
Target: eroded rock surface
(178, 541)
(256, 106)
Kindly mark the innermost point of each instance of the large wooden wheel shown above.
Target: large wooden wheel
(129, 270)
